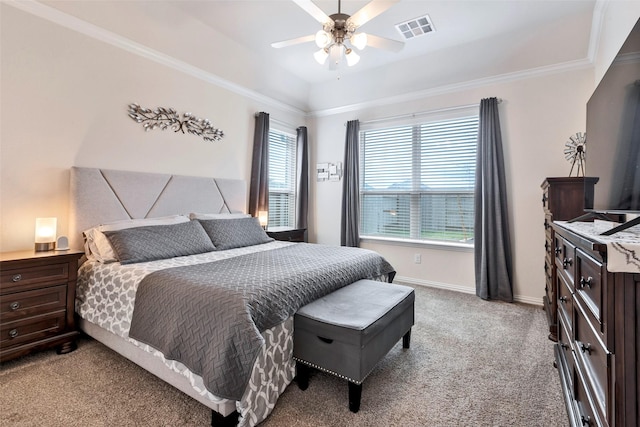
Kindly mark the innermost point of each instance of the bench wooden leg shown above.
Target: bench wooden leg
(302, 375)
(355, 393)
(406, 339)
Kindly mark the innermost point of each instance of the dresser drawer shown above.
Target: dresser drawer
(565, 253)
(29, 303)
(589, 283)
(27, 277)
(565, 302)
(31, 329)
(564, 341)
(593, 358)
(588, 416)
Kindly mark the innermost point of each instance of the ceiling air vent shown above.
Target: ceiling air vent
(415, 27)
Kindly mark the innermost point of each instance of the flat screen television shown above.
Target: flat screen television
(613, 136)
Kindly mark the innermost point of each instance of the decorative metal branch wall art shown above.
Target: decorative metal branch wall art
(167, 118)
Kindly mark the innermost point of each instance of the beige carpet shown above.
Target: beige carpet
(471, 363)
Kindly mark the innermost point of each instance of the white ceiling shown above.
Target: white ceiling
(474, 39)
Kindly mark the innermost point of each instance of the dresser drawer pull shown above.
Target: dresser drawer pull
(586, 420)
(14, 305)
(566, 263)
(16, 277)
(13, 333)
(586, 282)
(558, 251)
(586, 348)
(562, 299)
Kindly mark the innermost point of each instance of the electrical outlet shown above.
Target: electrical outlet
(417, 258)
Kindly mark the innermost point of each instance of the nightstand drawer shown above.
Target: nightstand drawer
(31, 329)
(20, 278)
(39, 301)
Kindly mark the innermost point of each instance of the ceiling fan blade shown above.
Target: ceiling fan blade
(313, 10)
(383, 43)
(370, 11)
(292, 42)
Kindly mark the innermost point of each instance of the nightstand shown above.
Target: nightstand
(287, 234)
(37, 297)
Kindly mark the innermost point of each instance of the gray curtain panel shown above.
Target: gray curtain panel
(259, 185)
(493, 260)
(302, 178)
(349, 233)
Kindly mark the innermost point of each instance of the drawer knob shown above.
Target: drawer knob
(566, 263)
(558, 251)
(563, 299)
(14, 305)
(13, 333)
(16, 277)
(586, 348)
(586, 282)
(586, 420)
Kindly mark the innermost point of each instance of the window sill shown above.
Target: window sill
(427, 244)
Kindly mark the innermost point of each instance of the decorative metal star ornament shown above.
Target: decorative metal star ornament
(575, 151)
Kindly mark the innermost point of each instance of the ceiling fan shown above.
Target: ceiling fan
(339, 29)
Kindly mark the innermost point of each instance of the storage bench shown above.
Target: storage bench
(347, 332)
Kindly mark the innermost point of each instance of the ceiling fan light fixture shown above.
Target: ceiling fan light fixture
(359, 40)
(335, 52)
(352, 57)
(321, 56)
(323, 39)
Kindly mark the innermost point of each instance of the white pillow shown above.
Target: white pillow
(97, 246)
(193, 215)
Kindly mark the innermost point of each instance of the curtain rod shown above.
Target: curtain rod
(411, 115)
(279, 122)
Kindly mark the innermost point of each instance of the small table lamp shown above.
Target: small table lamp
(45, 234)
(263, 218)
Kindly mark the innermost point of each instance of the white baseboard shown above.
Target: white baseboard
(460, 288)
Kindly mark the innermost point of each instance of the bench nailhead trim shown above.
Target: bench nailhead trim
(313, 365)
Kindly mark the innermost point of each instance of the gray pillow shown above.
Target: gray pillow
(155, 242)
(235, 232)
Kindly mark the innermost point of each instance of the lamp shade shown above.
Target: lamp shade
(263, 218)
(45, 236)
(359, 40)
(321, 56)
(323, 39)
(352, 58)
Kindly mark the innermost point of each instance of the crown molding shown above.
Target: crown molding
(457, 87)
(596, 28)
(90, 30)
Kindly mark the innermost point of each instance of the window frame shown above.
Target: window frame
(415, 194)
(290, 193)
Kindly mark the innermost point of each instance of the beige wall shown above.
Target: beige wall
(64, 100)
(537, 116)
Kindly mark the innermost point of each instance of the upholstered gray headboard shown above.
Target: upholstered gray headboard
(102, 195)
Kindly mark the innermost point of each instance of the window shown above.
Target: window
(282, 179)
(417, 180)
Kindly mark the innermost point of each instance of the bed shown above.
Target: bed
(152, 306)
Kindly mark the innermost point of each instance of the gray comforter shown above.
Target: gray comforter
(210, 316)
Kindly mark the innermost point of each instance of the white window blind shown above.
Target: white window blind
(417, 180)
(282, 179)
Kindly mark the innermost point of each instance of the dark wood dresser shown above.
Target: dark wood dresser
(598, 345)
(37, 294)
(562, 199)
